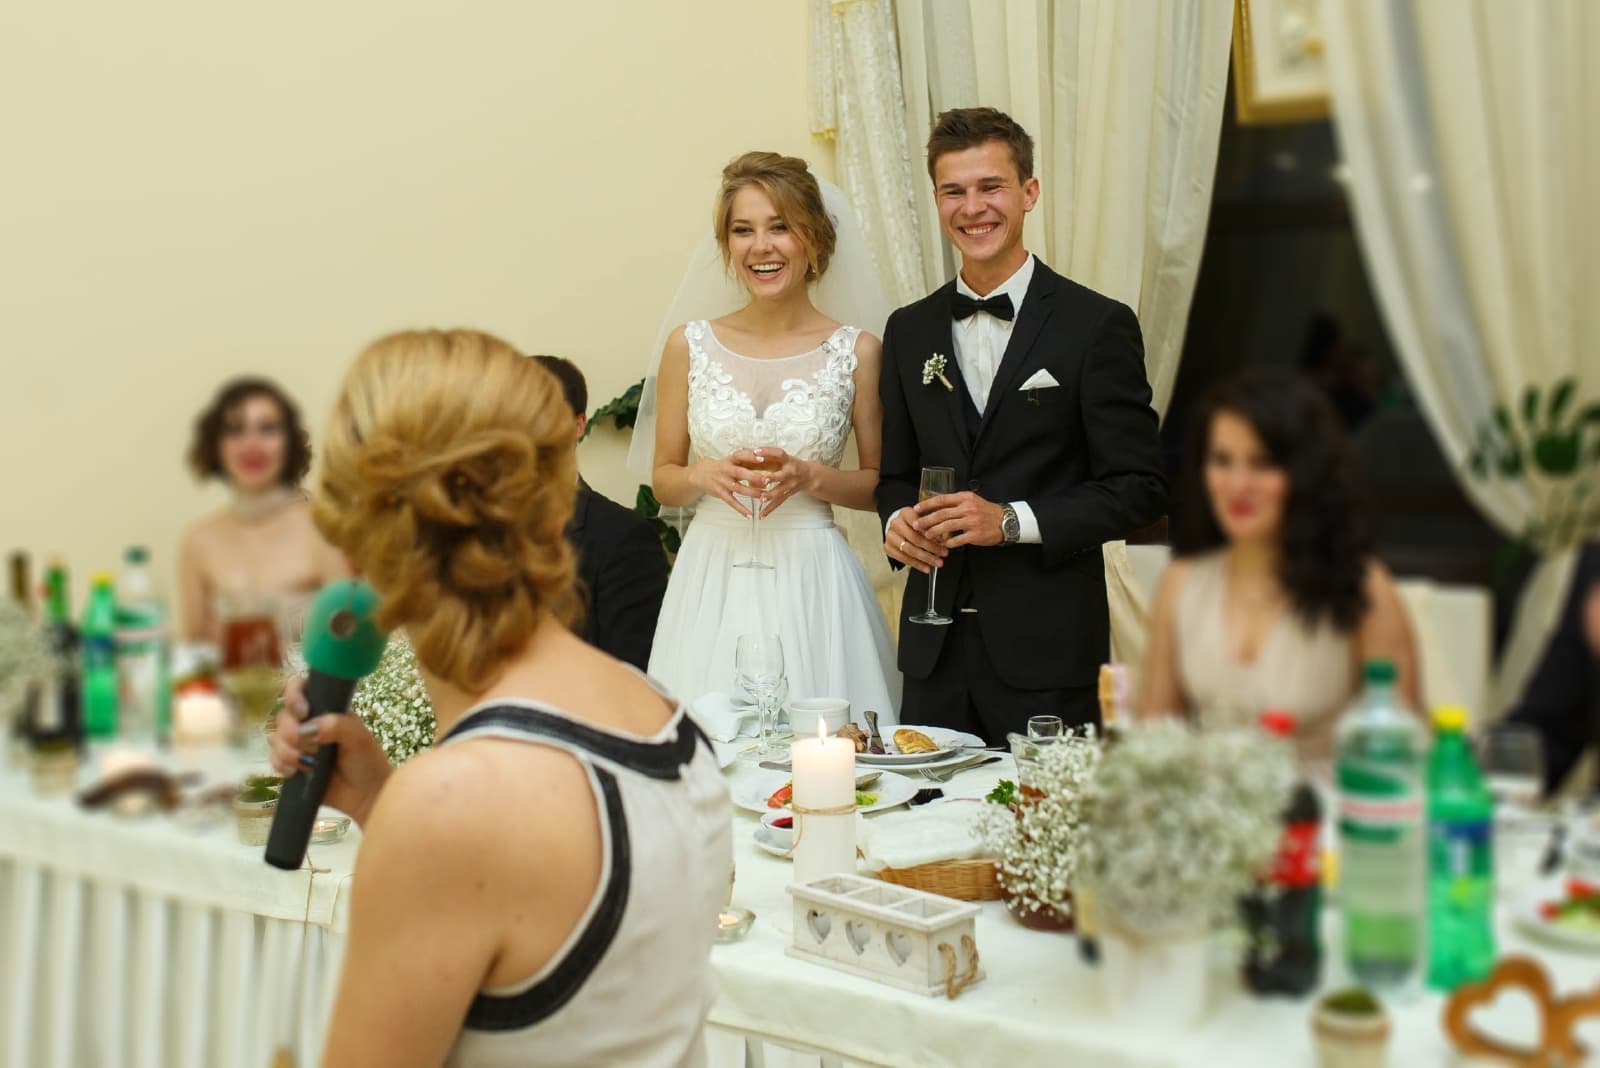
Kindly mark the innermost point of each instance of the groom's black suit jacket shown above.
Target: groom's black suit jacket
(1085, 455)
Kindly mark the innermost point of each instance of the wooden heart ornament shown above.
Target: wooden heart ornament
(1558, 1042)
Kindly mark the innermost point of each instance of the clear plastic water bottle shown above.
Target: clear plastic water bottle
(1382, 754)
(1460, 858)
(143, 641)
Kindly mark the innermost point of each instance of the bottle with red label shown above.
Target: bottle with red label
(1283, 916)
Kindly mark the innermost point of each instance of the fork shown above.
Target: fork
(945, 774)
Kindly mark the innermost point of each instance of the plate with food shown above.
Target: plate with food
(908, 745)
(1570, 917)
(773, 791)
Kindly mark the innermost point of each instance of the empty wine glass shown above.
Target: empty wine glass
(1513, 765)
(758, 664)
(936, 482)
(1045, 726)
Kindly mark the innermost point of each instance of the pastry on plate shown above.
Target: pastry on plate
(910, 741)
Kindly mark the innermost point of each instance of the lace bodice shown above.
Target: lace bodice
(800, 403)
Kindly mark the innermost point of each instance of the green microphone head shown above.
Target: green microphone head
(341, 637)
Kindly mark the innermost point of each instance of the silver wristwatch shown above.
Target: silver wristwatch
(1010, 525)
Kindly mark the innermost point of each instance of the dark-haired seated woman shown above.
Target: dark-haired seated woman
(1274, 599)
(541, 887)
(262, 544)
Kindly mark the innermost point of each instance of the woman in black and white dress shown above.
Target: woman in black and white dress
(567, 839)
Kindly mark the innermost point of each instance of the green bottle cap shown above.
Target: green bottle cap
(1379, 672)
(136, 554)
(342, 638)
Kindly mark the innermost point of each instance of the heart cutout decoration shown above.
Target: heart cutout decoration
(899, 946)
(1512, 975)
(820, 923)
(858, 935)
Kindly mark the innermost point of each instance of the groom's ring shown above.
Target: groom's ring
(902, 545)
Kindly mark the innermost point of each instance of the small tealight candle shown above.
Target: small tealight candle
(199, 719)
(824, 779)
(733, 924)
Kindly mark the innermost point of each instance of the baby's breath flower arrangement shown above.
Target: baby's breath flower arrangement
(1037, 836)
(1180, 824)
(24, 656)
(394, 705)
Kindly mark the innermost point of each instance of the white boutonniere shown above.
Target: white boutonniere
(933, 370)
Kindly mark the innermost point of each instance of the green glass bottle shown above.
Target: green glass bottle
(98, 635)
(1460, 858)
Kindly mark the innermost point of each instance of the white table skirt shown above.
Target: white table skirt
(142, 944)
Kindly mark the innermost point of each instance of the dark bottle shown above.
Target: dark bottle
(56, 716)
(1283, 916)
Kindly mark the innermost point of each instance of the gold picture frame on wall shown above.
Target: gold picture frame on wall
(1279, 67)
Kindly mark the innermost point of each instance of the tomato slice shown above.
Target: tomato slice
(781, 797)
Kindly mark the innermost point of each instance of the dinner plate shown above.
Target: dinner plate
(750, 791)
(948, 741)
(1529, 918)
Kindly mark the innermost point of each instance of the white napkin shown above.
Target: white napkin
(718, 717)
(920, 836)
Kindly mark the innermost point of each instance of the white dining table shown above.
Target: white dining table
(145, 943)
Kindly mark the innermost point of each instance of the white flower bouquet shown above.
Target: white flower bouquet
(1181, 823)
(1037, 835)
(394, 704)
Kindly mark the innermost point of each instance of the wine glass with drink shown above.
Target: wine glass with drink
(936, 482)
(252, 662)
(762, 463)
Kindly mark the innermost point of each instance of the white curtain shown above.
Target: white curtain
(1125, 104)
(1470, 133)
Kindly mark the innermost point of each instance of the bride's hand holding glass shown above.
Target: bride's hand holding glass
(728, 480)
(782, 475)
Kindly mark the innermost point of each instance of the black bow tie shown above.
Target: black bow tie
(999, 306)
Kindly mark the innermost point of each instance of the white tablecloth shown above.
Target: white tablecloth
(136, 942)
(140, 943)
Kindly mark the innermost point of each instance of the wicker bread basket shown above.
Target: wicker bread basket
(965, 880)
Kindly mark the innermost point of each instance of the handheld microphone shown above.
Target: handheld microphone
(342, 643)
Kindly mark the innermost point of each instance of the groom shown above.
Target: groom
(1042, 408)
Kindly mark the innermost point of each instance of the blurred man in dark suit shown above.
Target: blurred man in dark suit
(621, 566)
(1562, 700)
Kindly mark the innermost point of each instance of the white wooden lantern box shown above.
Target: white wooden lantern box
(903, 937)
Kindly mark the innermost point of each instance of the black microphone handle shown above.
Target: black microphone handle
(301, 794)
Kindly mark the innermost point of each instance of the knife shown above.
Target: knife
(874, 739)
(864, 780)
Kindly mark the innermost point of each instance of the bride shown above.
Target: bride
(752, 410)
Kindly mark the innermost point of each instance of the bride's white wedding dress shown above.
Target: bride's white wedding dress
(816, 596)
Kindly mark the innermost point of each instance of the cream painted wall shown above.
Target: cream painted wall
(194, 190)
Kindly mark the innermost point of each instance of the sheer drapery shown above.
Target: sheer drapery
(1469, 134)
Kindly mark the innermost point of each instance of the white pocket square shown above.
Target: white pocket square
(1040, 379)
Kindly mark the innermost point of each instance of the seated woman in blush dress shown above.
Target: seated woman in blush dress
(1274, 599)
(261, 545)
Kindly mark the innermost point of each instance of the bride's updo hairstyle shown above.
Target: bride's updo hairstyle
(793, 190)
(447, 478)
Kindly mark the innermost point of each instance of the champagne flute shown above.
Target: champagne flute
(758, 663)
(763, 463)
(936, 482)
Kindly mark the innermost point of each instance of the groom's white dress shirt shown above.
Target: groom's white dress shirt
(980, 341)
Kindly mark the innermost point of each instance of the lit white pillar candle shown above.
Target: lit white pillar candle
(199, 719)
(824, 778)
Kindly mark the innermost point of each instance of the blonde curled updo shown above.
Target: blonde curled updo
(448, 476)
(794, 192)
